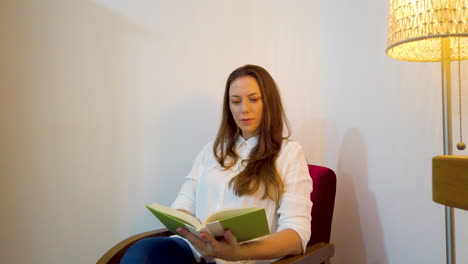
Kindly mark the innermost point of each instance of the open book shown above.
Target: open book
(244, 223)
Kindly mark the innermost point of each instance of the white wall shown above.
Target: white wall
(104, 105)
(383, 125)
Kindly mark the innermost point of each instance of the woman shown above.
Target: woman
(250, 164)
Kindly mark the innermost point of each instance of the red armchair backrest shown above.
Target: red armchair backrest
(323, 199)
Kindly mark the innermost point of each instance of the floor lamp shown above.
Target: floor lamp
(433, 31)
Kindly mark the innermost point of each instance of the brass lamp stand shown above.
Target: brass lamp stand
(432, 31)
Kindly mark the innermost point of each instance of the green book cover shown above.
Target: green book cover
(170, 222)
(247, 226)
(244, 223)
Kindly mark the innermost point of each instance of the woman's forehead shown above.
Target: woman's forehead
(244, 85)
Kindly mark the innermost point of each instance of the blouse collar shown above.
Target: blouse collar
(251, 142)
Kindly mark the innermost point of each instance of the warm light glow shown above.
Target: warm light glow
(416, 27)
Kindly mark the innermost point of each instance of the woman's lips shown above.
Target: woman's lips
(246, 121)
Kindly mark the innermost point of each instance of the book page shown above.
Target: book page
(177, 214)
(228, 213)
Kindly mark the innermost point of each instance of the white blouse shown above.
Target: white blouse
(206, 189)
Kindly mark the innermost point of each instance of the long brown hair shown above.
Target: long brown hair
(260, 170)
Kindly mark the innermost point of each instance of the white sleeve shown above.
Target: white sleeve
(295, 205)
(185, 200)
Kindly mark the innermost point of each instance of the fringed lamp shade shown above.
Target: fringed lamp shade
(416, 27)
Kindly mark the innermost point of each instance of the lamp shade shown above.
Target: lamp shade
(416, 27)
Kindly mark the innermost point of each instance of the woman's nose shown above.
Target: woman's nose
(245, 107)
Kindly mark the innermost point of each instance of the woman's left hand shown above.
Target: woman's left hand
(226, 248)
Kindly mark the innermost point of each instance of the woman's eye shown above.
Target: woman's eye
(235, 102)
(253, 100)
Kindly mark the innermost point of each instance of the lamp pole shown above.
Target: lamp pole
(448, 148)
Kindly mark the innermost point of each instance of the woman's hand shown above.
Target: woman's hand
(226, 248)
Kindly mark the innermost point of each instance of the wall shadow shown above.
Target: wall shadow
(181, 138)
(357, 229)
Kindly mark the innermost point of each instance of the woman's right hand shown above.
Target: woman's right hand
(226, 248)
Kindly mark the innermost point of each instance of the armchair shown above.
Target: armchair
(318, 250)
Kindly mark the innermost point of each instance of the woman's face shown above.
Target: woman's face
(245, 102)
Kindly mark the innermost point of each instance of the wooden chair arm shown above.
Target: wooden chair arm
(315, 254)
(114, 255)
